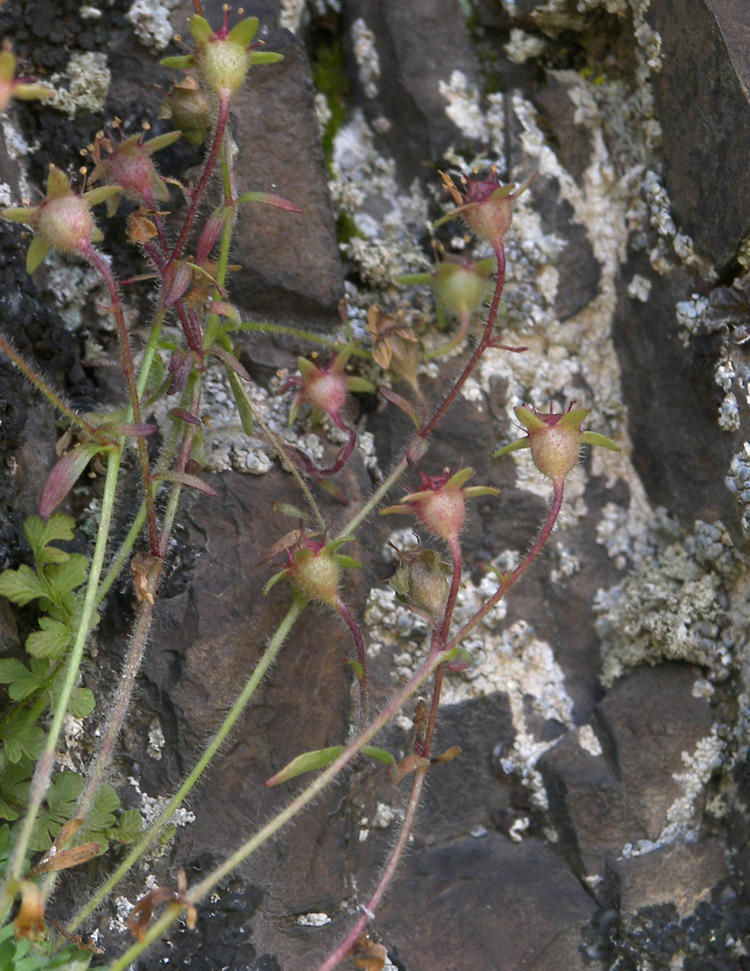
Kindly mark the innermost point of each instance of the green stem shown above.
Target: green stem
(153, 832)
(194, 895)
(45, 765)
(135, 402)
(306, 335)
(279, 446)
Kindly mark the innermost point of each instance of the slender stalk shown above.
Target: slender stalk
(481, 347)
(41, 385)
(279, 446)
(386, 878)
(305, 335)
(117, 714)
(359, 643)
(196, 893)
(45, 765)
(321, 782)
(154, 830)
(135, 402)
(197, 195)
(515, 576)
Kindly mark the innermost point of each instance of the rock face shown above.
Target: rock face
(704, 110)
(589, 820)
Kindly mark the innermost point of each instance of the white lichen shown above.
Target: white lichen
(522, 47)
(88, 79)
(150, 20)
(366, 55)
(462, 104)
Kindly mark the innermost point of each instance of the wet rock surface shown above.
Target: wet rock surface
(590, 820)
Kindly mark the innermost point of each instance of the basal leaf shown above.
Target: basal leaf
(82, 702)
(21, 585)
(129, 826)
(65, 577)
(20, 739)
(53, 638)
(21, 681)
(39, 533)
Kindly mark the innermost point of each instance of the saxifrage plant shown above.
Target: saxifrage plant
(69, 819)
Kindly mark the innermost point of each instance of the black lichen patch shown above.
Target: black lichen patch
(714, 938)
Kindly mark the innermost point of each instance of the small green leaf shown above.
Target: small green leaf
(65, 577)
(306, 762)
(321, 758)
(15, 780)
(53, 638)
(82, 702)
(21, 680)
(129, 826)
(22, 740)
(21, 585)
(265, 57)
(39, 533)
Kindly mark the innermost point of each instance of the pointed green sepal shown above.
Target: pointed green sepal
(265, 57)
(474, 492)
(307, 369)
(348, 562)
(242, 33)
(294, 410)
(573, 419)
(528, 419)
(414, 279)
(594, 438)
(94, 196)
(453, 214)
(161, 141)
(200, 29)
(457, 480)
(37, 251)
(360, 385)
(274, 580)
(514, 446)
(96, 235)
(181, 62)
(58, 184)
(20, 214)
(342, 358)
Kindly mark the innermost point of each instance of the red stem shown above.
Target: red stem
(557, 500)
(481, 347)
(221, 124)
(129, 369)
(351, 623)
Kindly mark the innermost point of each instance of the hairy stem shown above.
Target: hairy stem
(155, 829)
(45, 765)
(481, 347)
(41, 385)
(135, 402)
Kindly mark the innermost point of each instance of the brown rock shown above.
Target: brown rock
(419, 45)
(682, 875)
(291, 267)
(646, 722)
(704, 110)
(679, 450)
(492, 904)
(587, 806)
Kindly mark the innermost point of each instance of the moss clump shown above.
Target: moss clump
(331, 79)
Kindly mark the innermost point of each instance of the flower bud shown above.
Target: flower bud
(420, 581)
(441, 504)
(555, 440)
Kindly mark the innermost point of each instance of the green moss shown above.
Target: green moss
(331, 79)
(346, 228)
